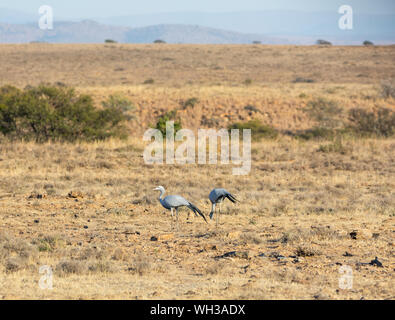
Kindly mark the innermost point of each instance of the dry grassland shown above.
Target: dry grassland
(291, 230)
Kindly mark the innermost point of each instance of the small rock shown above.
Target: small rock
(347, 254)
(36, 221)
(75, 194)
(234, 254)
(353, 235)
(35, 195)
(153, 238)
(85, 227)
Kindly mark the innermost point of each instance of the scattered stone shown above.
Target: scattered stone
(153, 238)
(36, 221)
(262, 255)
(347, 254)
(361, 234)
(35, 195)
(209, 247)
(277, 256)
(85, 227)
(234, 254)
(75, 194)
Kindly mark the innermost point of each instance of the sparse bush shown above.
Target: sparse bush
(168, 116)
(381, 123)
(56, 113)
(257, 42)
(141, 265)
(149, 81)
(303, 80)
(248, 82)
(191, 102)
(368, 43)
(121, 103)
(326, 112)
(159, 41)
(110, 41)
(317, 133)
(258, 130)
(336, 147)
(387, 90)
(68, 267)
(322, 42)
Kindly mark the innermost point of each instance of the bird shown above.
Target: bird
(218, 195)
(175, 201)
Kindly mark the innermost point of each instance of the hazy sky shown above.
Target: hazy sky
(76, 9)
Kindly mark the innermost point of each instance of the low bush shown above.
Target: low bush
(168, 116)
(191, 102)
(380, 123)
(258, 129)
(317, 133)
(326, 112)
(387, 89)
(46, 113)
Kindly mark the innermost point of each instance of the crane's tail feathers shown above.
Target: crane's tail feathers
(195, 209)
(232, 198)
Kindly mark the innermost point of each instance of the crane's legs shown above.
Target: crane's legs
(172, 218)
(177, 218)
(218, 214)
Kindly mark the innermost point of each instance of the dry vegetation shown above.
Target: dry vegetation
(89, 212)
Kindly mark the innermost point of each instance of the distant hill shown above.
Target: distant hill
(270, 27)
(195, 34)
(88, 31)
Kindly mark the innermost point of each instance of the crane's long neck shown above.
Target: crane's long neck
(162, 192)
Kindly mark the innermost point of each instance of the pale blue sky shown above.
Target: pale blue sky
(77, 9)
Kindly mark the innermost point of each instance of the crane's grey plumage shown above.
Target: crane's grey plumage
(217, 196)
(175, 201)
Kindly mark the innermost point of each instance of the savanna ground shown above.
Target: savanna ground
(299, 204)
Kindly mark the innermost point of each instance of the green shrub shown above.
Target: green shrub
(121, 103)
(326, 112)
(191, 102)
(317, 133)
(381, 123)
(258, 130)
(387, 90)
(168, 116)
(336, 147)
(149, 81)
(56, 113)
(368, 43)
(110, 41)
(322, 42)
